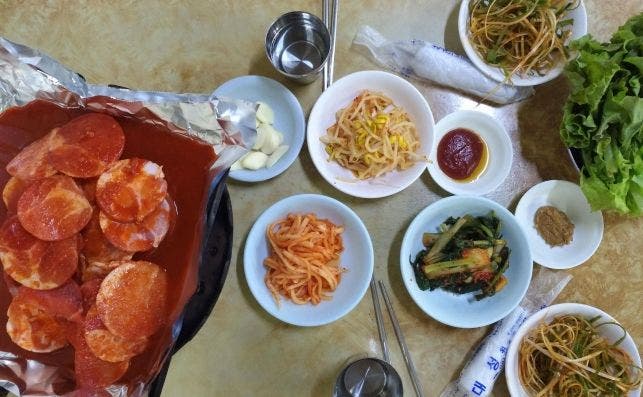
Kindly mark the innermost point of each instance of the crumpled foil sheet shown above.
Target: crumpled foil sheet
(27, 74)
(228, 125)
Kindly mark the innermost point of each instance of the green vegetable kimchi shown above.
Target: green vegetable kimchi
(466, 254)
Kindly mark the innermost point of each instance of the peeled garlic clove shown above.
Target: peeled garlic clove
(276, 155)
(261, 136)
(265, 113)
(281, 136)
(272, 140)
(236, 165)
(254, 160)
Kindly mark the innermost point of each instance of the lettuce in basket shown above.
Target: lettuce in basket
(603, 117)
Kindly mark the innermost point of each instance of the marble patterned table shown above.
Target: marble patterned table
(194, 46)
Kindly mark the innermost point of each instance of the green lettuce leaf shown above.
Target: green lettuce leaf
(603, 117)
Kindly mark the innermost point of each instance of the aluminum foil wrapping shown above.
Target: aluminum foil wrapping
(26, 75)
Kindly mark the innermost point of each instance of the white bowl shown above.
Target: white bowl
(579, 15)
(357, 258)
(498, 145)
(464, 311)
(611, 332)
(339, 96)
(588, 225)
(289, 119)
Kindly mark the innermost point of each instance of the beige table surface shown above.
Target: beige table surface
(195, 46)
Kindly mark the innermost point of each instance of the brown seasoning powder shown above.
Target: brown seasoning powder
(554, 226)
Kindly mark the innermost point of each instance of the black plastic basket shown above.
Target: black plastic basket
(215, 261)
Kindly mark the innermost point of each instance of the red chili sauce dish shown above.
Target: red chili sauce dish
(462, 155)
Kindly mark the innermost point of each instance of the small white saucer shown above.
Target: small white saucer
(612, 331)
(357, 258)
(340, 94)
(579, 28)
(289, 119)
(498, 146)
(588, 225)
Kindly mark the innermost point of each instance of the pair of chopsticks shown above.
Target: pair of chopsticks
(329, 15)
(398, 333)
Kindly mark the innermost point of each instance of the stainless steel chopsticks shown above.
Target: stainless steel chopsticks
(380, 322)
(400, 338)
(325, 18)
(330, 19)
(333, 40)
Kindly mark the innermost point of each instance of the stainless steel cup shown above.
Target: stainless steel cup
(368, 377)
(297, 45)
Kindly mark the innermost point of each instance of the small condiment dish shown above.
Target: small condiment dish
(499, 149)
(289, 120)
(569, 198)
(579, 28)
(357, 258)
(611, 332)
(463, 310)
(340, 95)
